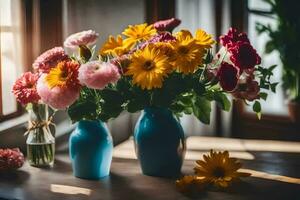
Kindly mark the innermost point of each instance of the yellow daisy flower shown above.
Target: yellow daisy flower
(148, 67)
(138, 33)
(219, 169)
(115, 46)
(183, 34)
(65, 74)
(165, 48)
(204, 39)
(187, 53)
(189, 183)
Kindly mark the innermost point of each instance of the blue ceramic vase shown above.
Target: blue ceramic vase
(91, 148)
(159, 143)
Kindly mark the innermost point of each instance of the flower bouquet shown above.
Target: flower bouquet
(149, 68)
(40, 142)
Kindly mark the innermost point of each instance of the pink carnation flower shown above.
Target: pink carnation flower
(167, 25)
(57, 97)
(82, 38)
(49, 59)
(25, 88)
(11, 159)
(98, 74)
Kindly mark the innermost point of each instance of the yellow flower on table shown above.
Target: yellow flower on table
(137, 33)
(149, 67)
(189, 183)
(115, 46)
(187, 53)
(219, 169)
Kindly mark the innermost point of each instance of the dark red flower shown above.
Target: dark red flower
(228, 76)
(248, 91)
(232, 37)
(167, 25)
(11, 159)
(244, 56)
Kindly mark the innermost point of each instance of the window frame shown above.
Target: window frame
(246, 124)
(36, 36)
(19, 110)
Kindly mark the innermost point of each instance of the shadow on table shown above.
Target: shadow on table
(61, 166)
(16, 177)
(258, 189)
(120, 187)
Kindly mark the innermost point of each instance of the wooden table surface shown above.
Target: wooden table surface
(275, 167)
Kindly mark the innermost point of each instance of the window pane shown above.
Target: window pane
(195, 14)
(11, 51)
(105, 17)
(276, 102)
(5, 12)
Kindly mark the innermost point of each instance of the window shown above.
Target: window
(277, 105)
(11, 57)
(275, 122)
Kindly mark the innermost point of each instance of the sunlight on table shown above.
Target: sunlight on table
(67, 189)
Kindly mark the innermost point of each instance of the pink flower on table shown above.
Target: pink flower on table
(25, 88)
(232, 37)
(49, 59)
(167, 25)
(81, 38)
(244, 56)
(228, 76)
(11, 159)
(97, 75)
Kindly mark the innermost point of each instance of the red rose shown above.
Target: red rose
(232, 37)
(228, 76)
(167, 25)
(244, 56)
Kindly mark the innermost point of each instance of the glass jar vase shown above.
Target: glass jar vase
(40, 142)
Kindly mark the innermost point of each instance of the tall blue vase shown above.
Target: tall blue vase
(159, 143)
(91, 149)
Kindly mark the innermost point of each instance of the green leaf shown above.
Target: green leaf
(112, 96)
(257, 108)
(269, 47)
(273, 87)
(82, 110)
(188, 110)
(272, 67)
(109, 111)
(199, 88)
(263, 95)
(135, 105)
(222, 101)
(202, 109)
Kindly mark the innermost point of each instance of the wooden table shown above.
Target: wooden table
(275, 167)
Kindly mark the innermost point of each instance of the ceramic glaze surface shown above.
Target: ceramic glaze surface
(159, 143)
(91, 148)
